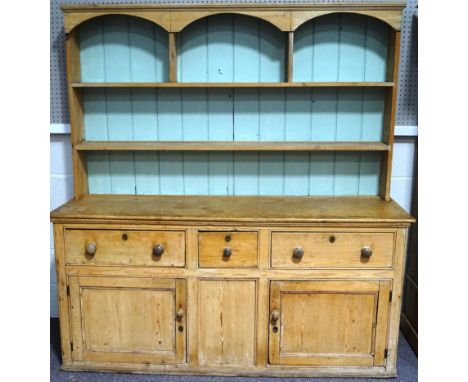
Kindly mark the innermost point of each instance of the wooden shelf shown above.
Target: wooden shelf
(228, 84)
(229, 146)
(234, 209)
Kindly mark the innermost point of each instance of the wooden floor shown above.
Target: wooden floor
(407, 369)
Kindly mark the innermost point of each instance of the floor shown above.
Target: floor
(407, 368)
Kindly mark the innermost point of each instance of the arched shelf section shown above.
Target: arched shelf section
(119, 48)
(231, 48)
(341, 47)
(74, 20)
(392, 18)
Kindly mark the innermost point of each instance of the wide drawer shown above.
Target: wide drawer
(332, 249)
(227, 249)
(119, 247)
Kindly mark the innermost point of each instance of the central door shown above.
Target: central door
(226, 322)
(328, 323)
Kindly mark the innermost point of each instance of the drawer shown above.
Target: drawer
(119, 247)
(332, 249)
(227, 249)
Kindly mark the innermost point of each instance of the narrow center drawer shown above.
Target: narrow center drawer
(119, 247)
(332, 250)
(227, 249)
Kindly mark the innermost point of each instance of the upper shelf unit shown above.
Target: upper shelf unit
(231, 50)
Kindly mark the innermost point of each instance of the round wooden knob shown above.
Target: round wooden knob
(158, 250)
(366, 252)
(90, 249)
(274, 316)
(179, 314)
(227, 252)
(298, 252)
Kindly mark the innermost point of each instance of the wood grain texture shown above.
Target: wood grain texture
(285, 17)
(208, 85)
(115, 247)
(326, 322)
(235, 209)
(226, 333)
(243, 246)
(231, 146)
(131, 320)
(332, 249)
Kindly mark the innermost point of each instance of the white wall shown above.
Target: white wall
(61, 181)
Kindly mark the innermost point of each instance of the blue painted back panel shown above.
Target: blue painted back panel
(239, 173)
(227, 48)
(234, 48)
(340, 47)
(123, 49)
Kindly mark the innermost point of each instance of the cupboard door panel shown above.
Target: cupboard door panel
(127, 319)
(226, 322)
(328, 323)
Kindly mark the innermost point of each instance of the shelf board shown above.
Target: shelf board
(228, 84)
(228, 146)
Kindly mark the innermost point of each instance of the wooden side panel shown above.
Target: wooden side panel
(231, 48)
(227, 323)
(121, 48)
(341, 47)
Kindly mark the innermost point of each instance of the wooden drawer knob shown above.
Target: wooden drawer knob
(274, 316)
(366, 252)
(179, 314)
(298, 252)
(90, 249)
(227, 252)
(158, 250)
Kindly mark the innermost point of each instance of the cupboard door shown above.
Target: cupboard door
(226, 322)
(133, 320)
(328, 323)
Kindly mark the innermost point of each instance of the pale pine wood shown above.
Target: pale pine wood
(193, 312)
(63, 304)
(172, 57)
(285, 210)
(226, 325)
(125, 319)
(344, 252)
(72, 52)
(286, 17)
(244, 246)
(229, 146)
(395, 308)
(390, 113)
(327, 322)
(289, 56)
(334, 84)
(112, 249)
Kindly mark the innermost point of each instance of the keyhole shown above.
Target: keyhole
(124, 236)
(332, 239)
(275, 329)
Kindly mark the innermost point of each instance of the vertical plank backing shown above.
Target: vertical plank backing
(390, 112)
